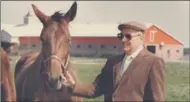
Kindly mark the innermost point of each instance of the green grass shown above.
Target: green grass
(177, 79)
(87, 74)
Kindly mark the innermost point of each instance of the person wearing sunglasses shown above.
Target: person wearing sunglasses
(6, 44)
(135, 75)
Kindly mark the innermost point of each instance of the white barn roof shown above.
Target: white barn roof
(33, 28)
(75, 30)
(6, 26)
(97, 30)
(79, 30)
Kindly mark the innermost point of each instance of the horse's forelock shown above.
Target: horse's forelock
(57, 16)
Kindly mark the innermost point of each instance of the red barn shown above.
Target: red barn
(163, 44)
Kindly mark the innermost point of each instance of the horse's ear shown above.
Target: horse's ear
(71, 14)
(43, 18)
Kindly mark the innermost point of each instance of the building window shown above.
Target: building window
(25, 45)
(33, 45)
(78, 46)
(177, 51)
(168, 53)
(152, 35)
(102, 46)
(89, 46)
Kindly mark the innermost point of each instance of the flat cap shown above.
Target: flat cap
(133, 25)
(5, 36)
(5, 39)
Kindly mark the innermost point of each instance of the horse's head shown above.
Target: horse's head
(56, 43)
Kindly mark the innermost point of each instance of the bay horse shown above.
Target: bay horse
(40, 76)
(8, 91)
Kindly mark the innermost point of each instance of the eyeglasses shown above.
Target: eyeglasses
(121, 36)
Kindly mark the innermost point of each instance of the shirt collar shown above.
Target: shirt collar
(134, 54)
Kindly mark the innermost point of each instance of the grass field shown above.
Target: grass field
(177, 79)
(177, 83)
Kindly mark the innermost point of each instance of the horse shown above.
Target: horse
(8, 91)
(40, 76)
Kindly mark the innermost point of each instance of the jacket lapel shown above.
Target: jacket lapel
(116, 68)
(117, 71)
(131, 67)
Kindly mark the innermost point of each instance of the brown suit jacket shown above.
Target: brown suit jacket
(144, 80)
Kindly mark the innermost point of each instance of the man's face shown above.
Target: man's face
(131, 40)
(7, 47)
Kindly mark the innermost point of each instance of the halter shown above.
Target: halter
(63, 65)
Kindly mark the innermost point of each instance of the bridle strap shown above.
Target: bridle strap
(64, 65)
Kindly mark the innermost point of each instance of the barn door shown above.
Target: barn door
(151, 48)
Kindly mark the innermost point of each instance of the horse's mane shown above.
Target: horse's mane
(57, 16)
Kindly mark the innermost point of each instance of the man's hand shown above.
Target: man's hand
(69, 81)
(69, 78)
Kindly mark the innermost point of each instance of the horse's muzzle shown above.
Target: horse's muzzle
(55, 84)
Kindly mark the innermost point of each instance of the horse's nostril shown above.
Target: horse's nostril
(53, 82)
(61, 78)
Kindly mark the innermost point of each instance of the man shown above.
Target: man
(6, 43)
(6, 46)
(135, 75)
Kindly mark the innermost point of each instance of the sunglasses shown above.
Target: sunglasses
(121, 36)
